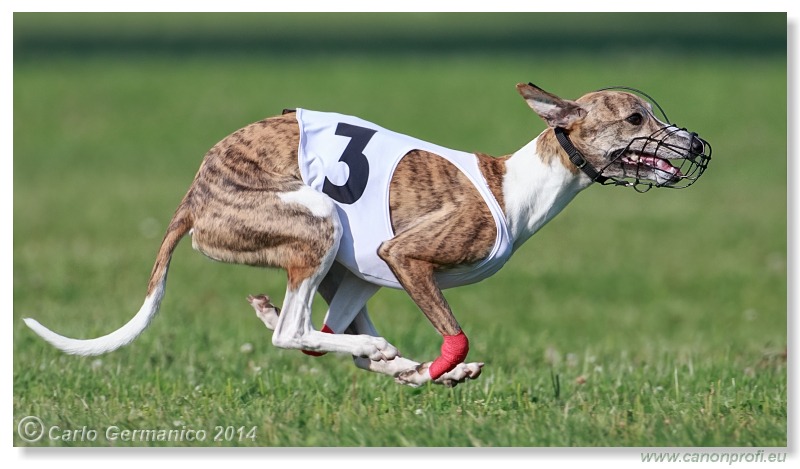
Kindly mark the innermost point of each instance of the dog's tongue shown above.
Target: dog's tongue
(660, 164)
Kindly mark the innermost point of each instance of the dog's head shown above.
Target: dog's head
(621, 139)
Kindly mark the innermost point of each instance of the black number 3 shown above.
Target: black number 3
(353, 157)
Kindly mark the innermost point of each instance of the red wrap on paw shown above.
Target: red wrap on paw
(454, 351)
(326, 330)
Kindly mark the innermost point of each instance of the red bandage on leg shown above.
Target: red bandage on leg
(326, 330)
(454, 351)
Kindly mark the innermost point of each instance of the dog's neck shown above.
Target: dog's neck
(538, 183)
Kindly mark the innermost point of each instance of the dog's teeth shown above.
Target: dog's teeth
(635, 158)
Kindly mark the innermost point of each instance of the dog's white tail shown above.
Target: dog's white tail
(122, 336)
(179, 226)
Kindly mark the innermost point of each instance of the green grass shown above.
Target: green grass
(630, 320)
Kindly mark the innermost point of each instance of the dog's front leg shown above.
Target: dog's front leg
(414, 264)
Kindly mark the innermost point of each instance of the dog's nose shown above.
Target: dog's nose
(697, 146)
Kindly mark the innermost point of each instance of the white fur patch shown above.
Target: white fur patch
(535, 191)
(320, 205)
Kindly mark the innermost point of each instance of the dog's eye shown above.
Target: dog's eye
(634, 119)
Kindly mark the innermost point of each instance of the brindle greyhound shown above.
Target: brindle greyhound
(249, 204)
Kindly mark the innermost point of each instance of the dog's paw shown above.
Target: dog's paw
(459, 374)
(419, 375)
(265, 310)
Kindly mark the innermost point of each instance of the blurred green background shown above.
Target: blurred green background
(415, 33)
(663, 314)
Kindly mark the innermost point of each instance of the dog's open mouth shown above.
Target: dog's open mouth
(635, 162)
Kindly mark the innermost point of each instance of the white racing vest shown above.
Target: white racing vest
(352, 161)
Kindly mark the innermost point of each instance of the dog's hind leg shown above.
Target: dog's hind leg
(294, 329)
(305, 274)
(292, 227)
(345, 294)
(268, 312)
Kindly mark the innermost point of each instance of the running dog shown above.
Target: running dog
(346, 207)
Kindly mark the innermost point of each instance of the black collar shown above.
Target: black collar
(577, 158)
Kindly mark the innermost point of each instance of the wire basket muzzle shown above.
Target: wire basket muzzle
(670, 157)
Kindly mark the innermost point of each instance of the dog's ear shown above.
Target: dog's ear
(555, 111)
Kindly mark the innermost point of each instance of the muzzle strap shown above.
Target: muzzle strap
(577, 158)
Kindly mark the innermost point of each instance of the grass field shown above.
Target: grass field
(630, 320)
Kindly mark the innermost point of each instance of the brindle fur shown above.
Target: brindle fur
(235, 215)
(613, 107)
(440, 221)
(233, 207)
(493, 170)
